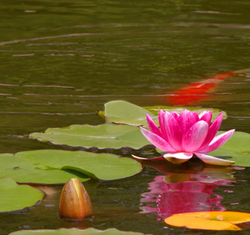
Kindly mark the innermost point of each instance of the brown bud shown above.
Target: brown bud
(75, 203)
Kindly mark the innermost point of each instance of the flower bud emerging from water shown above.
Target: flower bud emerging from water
(75, 203)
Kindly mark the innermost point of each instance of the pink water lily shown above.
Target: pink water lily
(186, 135)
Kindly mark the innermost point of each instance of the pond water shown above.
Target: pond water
(60, 61)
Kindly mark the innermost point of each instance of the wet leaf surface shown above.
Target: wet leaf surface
(59, 166)
(73, 231)
(15, 197)
(209, 220)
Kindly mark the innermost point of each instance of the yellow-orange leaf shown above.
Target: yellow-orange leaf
(209, 220)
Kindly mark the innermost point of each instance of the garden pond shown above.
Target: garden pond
(62, 61)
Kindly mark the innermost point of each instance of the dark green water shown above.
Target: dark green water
(60, 61)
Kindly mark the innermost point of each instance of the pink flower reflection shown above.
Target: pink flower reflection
(187, 196)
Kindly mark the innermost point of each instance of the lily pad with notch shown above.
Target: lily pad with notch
(120, 111)
(23, 171)
(100, 136)
(59, 166)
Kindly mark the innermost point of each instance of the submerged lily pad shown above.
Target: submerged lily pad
(237, 148)
(120, 111)
(15, 197)
(75, 231)
(101, 136)
(59, 166)
(209, 220)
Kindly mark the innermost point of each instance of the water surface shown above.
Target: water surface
(61, 61)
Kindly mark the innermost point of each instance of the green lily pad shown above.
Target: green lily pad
(15, 197)
(107, 135)
(155, 110)
(99, 166)
(119, 111)
(23, 171)
(101, 136)
(59, 166)
(237, 148)
(75, 231)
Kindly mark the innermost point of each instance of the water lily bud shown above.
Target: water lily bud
(75, 203)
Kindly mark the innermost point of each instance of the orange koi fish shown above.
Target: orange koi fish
(199, 91)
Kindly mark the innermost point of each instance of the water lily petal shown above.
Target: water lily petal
(175, 115)
(178, 157)
(160, 158)
(195, 136)
(152, 126)
(174, 135)
(161, 118)
(218, 141)
(157, 141)
(214, 160)
(206, 116)
(212, 131)
(187, 119)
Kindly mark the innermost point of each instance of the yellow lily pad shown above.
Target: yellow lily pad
(209, 220)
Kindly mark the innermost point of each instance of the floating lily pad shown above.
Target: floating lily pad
(23, 171)
(237, 148)
(155, 110)
(101, 136)
(209, 220)
(119, 111)
(106, 135)
(74, 231)
(59, 166)
(100, 166)
(15, 197)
